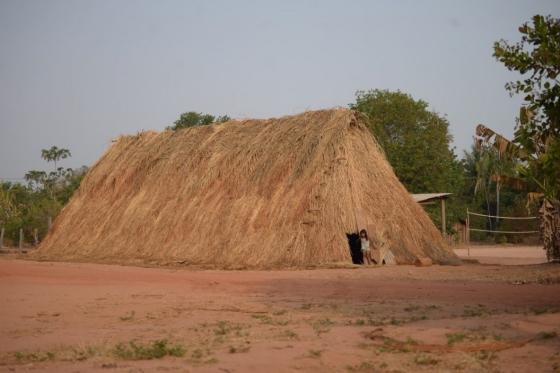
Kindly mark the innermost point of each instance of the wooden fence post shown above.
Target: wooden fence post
(443, 225)
(1, 237)
(21, 238)
(468, 233)
(36, 237)
(49, 223)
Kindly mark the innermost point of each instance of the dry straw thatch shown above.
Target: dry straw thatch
(251, 193)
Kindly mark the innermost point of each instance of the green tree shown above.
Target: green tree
(537, 136)
(416, 142)
(493, 173)
(193, 118)
(55, 154)
(36, 179)
(30, 206)
(8, 207)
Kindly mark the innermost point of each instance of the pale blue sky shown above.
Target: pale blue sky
(78, 73)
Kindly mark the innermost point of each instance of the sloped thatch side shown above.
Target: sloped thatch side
(277, 192)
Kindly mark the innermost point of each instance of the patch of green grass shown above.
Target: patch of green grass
(66, 354)
(393, 345)
(200, 356)
(485, 355)
(418, 318)
(84, 353)
(322, 325)
(475, 311)
(453, 338)
(225, 327)
(547, 335)
(239, 349)
(540, 310)
(315, 353)
(411, 341)
(129, 316)
(265, 319)
(34, 357)
(290, 334)
(395, 321)
(155, 350)
(374, 322)
(365, 366)
(425, 359)
(150, 316)
(197, 354)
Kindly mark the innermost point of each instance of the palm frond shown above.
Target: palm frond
(504, 146)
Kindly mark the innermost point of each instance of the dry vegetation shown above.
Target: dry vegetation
(255, 193)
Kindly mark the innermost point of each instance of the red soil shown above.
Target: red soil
(434, 318)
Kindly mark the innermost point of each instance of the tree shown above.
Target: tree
(8, 208)
(537, 136)
(36, 179)
(54, 154)
(30, 206)
(492, 171)
(416, 142)
(193, 118)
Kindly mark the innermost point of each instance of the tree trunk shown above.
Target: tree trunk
(488, 207)
(550, 229)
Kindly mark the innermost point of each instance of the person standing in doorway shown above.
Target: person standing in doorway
(366, 249)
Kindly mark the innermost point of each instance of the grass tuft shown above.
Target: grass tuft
(315, 353)
(129, 316)
(453, 338)
(424, 359)
(547, 335)
(155, 350)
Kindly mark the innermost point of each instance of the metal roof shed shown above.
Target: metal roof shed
(429, 198)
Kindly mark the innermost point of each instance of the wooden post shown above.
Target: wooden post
(468, 233)
(36, 237)
(443, 225)
(1, 237)
(20, 239)
(49, 223)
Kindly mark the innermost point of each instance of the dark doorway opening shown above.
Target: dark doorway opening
(355, 247)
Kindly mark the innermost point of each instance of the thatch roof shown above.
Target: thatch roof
(256, 193)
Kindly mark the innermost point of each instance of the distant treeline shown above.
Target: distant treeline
(32, 205)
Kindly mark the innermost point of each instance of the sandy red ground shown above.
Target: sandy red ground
(503, 254)
(68, 317)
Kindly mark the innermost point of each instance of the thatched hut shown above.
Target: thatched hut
(248, 193)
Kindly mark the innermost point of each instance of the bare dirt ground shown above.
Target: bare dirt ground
(503, 254)
(68, 317)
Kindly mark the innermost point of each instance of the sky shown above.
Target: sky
(78, 73)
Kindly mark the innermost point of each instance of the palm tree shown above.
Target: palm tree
(55, 154)
(544, 190)
(484, 167)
